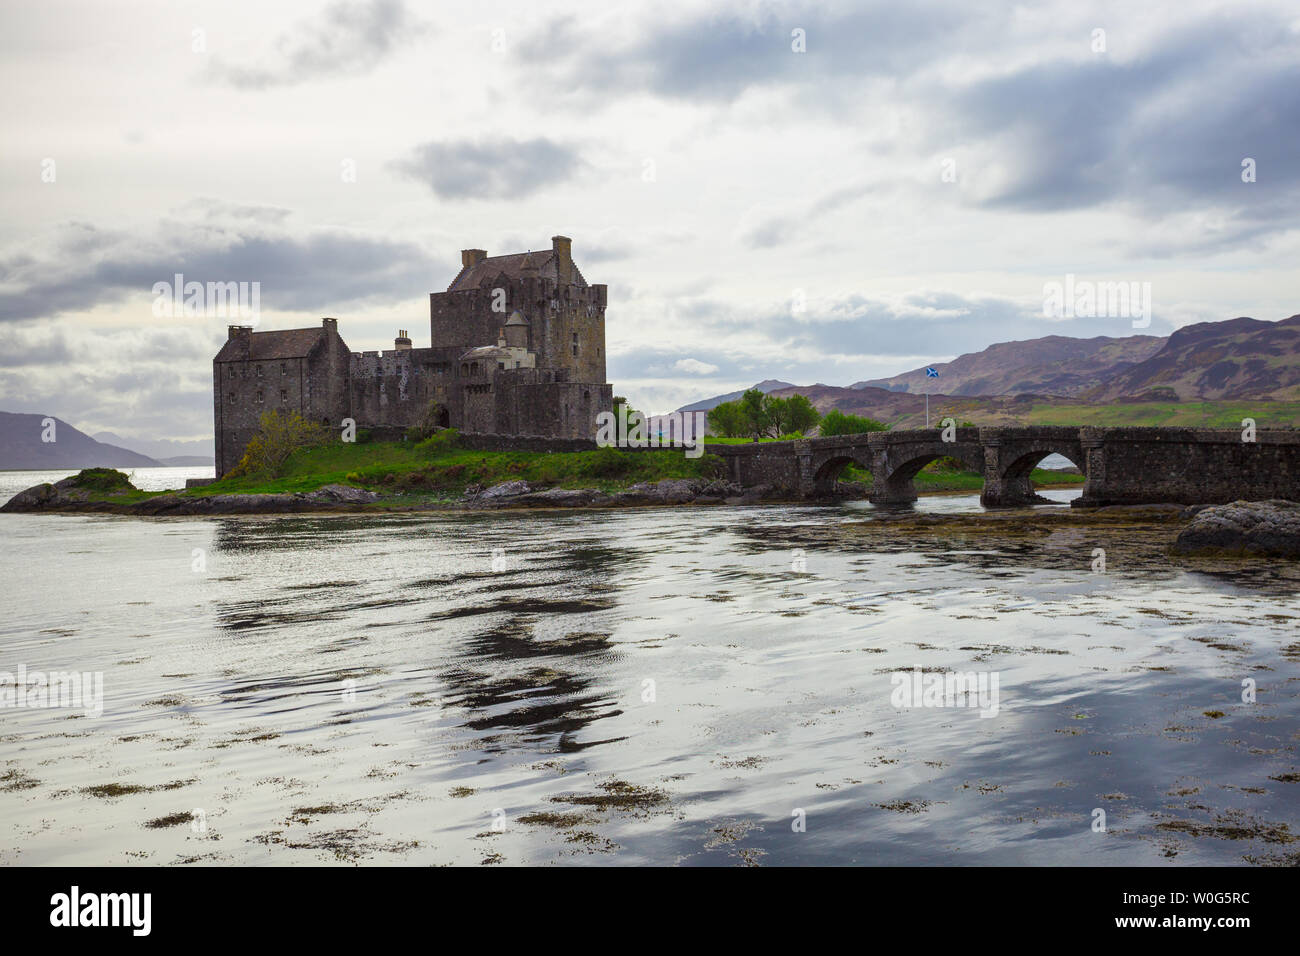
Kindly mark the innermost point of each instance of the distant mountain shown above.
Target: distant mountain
(21, 447)
(163, 448)
(770, 385)
(1052, 365)
(187, 461)
(1238, 359)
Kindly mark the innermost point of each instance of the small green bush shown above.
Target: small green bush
(103, 479)
(440, 441)
(837, 422)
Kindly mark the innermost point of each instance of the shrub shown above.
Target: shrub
(837, 422)
(428, 424)
(279, 435)
(103, 479)
(440, 441)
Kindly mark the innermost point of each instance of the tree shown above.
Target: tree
(791, 416)
(837, 422)
(755, 413)
(279, 434)
(626, 416)
(727, 420)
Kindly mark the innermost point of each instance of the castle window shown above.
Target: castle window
(501, 365)
(284, 394)
(260, 396)
(259, 371)
(231, 375)
(232, 398)
(575, 350)
(284, 368)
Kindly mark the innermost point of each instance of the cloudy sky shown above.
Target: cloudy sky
(912, 178)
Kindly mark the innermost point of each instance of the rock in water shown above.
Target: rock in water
(1266, 528)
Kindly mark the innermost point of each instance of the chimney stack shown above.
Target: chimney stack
(330, 325)
(403, 341)
(471, 257)
(237, 331)
(562, 246)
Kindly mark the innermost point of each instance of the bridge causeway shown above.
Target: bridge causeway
(1120, 465)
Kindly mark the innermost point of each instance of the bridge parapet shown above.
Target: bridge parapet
(1120, 465)
(1188, 465)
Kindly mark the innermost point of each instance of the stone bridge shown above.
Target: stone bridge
(1120, 465)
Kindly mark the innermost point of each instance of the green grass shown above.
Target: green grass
(433, 469)
(1171, 414)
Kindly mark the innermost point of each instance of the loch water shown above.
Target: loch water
(693, 685)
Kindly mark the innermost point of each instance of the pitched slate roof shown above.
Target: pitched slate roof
(270, 346)
(471, 277)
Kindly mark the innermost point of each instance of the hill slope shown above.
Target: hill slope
(1052, 365)
(769, 385)
(1238, 359)
(21, 447)
(162, 449)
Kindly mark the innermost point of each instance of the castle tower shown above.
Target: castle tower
(563, 316)
(516, 330)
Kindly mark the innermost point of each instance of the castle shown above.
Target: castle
(517, 348)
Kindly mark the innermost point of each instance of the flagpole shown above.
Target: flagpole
(930, 372)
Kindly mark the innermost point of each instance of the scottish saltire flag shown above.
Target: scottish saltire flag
(931, 372)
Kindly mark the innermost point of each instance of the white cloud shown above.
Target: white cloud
(694, 367)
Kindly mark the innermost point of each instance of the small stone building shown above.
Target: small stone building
(517, 348)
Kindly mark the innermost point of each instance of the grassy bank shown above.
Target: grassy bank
(439, 469)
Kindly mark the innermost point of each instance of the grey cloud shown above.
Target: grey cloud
(297, 272)
(944, 323)
(1157, 131)
(720, 56)
(500, 168)
(778, 230)
(349, 38)
(1162, 133)
(21, 347)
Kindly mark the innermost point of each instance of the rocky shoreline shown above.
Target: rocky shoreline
(1242, 528)
(67, 496)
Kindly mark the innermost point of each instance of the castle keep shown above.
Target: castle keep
(517, 348)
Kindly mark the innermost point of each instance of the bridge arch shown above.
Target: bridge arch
(1013, 454)
(1027, 461)
(897, 467)
(828, 471)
